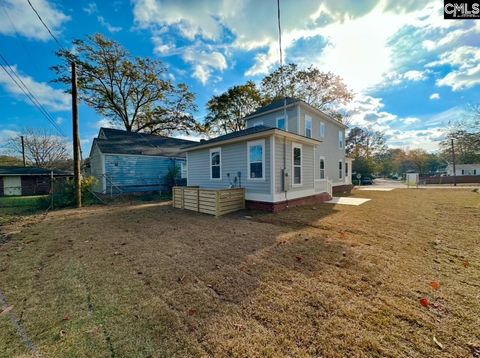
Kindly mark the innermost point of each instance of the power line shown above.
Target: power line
(45, 25)
(19, 82)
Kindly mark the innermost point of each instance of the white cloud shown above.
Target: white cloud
(410, 120)
(107, 25)
(414, 75)
(59, 120)
(91, 8)
(204, 62)
(355, 34)
(434, 96)
(21, 19)
(53, 99)
(465, 62)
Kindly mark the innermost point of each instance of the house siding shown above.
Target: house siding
(135, 173)
(270, 119)
(97, 170)
(307, 164)
(328, 148)
(233, 160)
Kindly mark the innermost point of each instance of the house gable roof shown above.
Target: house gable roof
(290, 102)
(116, 141)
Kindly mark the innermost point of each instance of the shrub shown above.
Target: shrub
(64, 192)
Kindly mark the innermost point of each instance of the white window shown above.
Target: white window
(322, 168)
(281, 123)
(340, 139)
(297, 164)
(256, 160)
(322, 130)
(183, 170)
(340, 169)
(216, 163)
(308, 127)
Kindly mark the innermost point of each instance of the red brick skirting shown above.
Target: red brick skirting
(282, 205)
(347, 188)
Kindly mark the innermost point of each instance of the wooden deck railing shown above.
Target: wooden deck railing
(209, 201)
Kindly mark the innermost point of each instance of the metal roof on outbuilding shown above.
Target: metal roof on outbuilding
(23, 171)
(115, 141)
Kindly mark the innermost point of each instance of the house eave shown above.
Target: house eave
(267, 133)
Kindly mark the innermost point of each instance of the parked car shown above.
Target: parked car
(394, 177)
(367, 181)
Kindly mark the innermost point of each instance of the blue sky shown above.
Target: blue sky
(412, 71)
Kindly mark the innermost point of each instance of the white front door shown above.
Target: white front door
(12, 186)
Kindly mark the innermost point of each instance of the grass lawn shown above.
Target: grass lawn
(11, 207)
(151, 281)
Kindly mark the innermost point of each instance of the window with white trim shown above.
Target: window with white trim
(322, 168)
(340, 169)
(297, 164)
(281, 124)
(308, 127)
(256, 160)
(216, 163)
(340, 139)
(183, 170)
(347, 174)
(322, 129)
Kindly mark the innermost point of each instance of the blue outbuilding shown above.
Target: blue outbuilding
(127, 162)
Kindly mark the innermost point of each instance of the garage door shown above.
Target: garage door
(12, 186)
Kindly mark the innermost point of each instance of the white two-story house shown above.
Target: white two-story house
(290, 153)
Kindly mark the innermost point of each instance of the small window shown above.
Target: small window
(281, 123)
(215, 163)
(322, 168)
(308, 127)
(322, 129)
(183, 170)
(256, 159)
(297, 164)
(340, 170)
(346, 170)
(340, 140)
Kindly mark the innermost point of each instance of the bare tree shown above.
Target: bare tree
(135, 92)
(42, 149)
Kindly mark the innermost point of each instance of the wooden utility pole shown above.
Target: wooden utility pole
(76, 140)
(23, 152)
(453, 162)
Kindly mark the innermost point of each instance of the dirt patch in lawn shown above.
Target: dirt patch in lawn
(150, 281)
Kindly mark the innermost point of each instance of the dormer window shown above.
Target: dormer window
(281, 124)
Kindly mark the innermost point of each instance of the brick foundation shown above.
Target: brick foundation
(339, 189)
(282, 205)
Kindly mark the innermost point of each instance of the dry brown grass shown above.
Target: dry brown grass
(149, 280)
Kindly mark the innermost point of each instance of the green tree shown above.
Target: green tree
(362, 142)
(322, 90)
(227, 112)
(132, 91)
(465, 134)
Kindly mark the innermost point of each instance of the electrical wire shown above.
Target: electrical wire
(45, 25)
(24, 88)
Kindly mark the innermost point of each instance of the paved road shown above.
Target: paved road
(389, 183)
